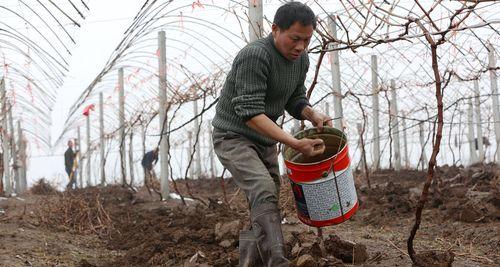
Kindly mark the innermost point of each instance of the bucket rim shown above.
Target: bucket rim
(323, 179)
(342, 134)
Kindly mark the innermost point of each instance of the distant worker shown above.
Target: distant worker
(150, 159)
(69, 164)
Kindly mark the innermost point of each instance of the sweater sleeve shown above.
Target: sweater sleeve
(252, 69)
(298, 101)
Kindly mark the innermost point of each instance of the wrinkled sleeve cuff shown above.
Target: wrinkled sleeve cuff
(299, 106)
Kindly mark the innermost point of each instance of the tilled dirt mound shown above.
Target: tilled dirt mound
(467, 195)
(171, 236)
(139, 230)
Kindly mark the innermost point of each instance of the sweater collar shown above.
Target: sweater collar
(270, 39)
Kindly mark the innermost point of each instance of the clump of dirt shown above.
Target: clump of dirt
(176, 235)
(469, 195)
(305, 249)
(348, 252)
(434, 259)
(42, 187)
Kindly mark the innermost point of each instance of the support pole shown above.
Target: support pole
(101, 140)
(405, 142)
(190, 152)
(327, 109)
(89, 152)
(375, 108)
(395, 127)
(21, 165)
(131, 157)
(198, 134)
(21, 159)
(478, 122)
(494, 95)
(162, 70)
(256, 19)
(337, 92)
(470, 135)
(423, 156)
(121, 121)
(213, 171)
(5, 140)
(80, 165)
(13, 150)
(143, 137)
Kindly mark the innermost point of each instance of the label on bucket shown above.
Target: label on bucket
(320, 200)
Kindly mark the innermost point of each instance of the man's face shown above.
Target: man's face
(293, 41)
(70, 144)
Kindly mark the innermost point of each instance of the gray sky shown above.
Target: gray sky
(100, 33)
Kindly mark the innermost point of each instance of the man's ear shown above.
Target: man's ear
(274, 29)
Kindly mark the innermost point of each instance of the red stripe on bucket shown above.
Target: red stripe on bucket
(303, 173)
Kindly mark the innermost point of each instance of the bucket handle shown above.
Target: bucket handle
(325, 174)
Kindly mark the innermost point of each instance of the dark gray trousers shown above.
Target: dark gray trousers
(254, 167)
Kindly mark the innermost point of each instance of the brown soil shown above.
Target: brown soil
(434, 259)
(114, 226)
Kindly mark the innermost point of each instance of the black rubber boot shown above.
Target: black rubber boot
(249, 255)
(266, 224)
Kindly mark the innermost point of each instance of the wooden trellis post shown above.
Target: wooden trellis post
(131, 157)
(162, 111)
(335, 67)
(13, 150)
(395, 127)
(190, 152)
(255, 26)
(80, 165)
(494, 96)
(5, 140)
(213, 170)
(470, 135)
(375, 114)
(196, 129)
(478, 122)
(121, 121)
(423, 156)
(89, 151)
(101, 140)
(21, 144)
(405, 142)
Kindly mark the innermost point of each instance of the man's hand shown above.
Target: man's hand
(317, 118)
(309, 147)
(265, 126)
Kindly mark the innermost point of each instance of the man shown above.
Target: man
(148, 160)
(266, 78)
(69, 162)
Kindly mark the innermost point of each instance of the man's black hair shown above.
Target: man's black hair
(291, 12)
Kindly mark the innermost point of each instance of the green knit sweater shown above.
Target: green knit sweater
(261, 81)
